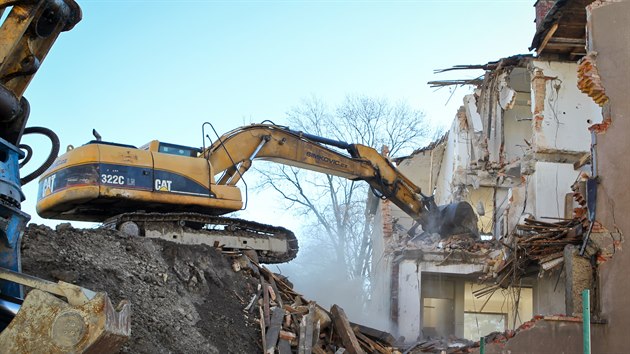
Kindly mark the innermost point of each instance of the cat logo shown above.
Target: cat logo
(48, 186)
(163, 185)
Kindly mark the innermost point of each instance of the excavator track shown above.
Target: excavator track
(273, 244)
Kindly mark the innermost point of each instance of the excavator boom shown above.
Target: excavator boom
(232, 155)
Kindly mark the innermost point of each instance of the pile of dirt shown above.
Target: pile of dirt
(184, 298)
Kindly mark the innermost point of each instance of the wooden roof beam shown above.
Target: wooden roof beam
(548, 36)
(564, 40)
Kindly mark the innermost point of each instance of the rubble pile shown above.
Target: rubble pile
(184, 298)
(534, 245)
(194, 298)
(443, 345)
(290, 323)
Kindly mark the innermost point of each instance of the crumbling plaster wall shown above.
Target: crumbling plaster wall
(609, 36)
(553, 181)
(456, 159)
(518, 127)
(549, 294)
(504, 301)
(561, 113)
(482, 200)
(419, 279)
(381, 279)
(423, 168)
(409, 301)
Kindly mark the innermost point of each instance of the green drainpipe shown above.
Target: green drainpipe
(586, 320)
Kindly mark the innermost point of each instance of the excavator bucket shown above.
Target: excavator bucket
(450, 219)
(86, 323)
(457, 218)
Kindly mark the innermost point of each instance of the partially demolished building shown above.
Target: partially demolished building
(537, 150)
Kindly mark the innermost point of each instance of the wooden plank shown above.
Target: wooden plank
(318, 350)
(375, 334)
(302, 339)
(316, 331)
(273, 330)
(274, 289)
(262, 326)
(372, 346)
(580, 41)
(308, 340)
(284, 347)
(265, 300)
(586, 158)
(342, 326)
(290, 336)
(551, 45)
(548, 36)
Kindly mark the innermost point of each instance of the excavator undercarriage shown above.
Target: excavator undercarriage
(272, 244)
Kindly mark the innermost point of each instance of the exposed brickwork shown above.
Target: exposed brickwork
(589, 80)
(542, 8)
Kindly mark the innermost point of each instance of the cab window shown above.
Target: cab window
(179, 150)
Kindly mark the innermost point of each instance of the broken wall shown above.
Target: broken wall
(514, 304)
(609, 36)
(549, 293)
(423, 168)
(381, 279)
(561, 113)
(553, 182)
(455, 161)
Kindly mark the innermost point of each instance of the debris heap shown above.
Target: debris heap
(184, 298)
(290, 323)
(535, 245)
(193, 298)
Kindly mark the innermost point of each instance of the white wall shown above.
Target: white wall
(552, 182)
(381, 281)
(517, 127)
(457, 156)
(409, 301)
(549, 294)
(566, 109)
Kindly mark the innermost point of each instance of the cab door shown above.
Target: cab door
(178, 170)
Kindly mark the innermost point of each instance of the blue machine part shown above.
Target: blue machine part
(12, 219)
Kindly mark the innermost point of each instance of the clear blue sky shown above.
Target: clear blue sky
(141, 70)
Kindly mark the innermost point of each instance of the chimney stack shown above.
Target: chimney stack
(542, 9)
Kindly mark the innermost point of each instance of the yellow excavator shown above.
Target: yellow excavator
(178, 193)
(53, 317)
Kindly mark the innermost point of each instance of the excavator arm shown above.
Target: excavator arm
(232, 155)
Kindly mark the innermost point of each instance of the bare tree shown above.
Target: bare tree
(337, 208)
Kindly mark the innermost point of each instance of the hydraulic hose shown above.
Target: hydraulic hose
(54, 151)
(29, 154)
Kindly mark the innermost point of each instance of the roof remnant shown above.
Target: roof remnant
(518, 60)
(435, 143)
(562, 30)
